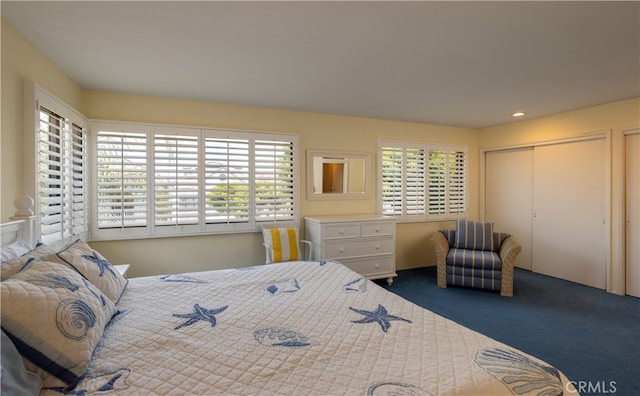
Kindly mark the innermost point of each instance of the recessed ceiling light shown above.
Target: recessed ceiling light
(518, 114)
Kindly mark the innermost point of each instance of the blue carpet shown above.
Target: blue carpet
(590, 335)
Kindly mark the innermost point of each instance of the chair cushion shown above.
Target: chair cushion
(474, 235)
(477, 278)
(477, 259)
(283, 242)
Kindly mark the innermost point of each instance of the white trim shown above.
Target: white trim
(576, 138)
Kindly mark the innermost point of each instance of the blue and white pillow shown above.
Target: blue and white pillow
(55, 318)
(12, 267)
(474, 235)
(93, 266)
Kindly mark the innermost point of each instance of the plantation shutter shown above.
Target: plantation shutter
(274, 180)
(437, 182)
(415, 182)
(392, 182)
(166, 180)
(227, 179)
(403, 181)
(121, 179)
(447, 182)
(51, 177)
(457, 182)
(417, 186)
(78, 162)
(176, 179)
(61, 176)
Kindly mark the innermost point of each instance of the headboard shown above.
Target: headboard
(22, 225)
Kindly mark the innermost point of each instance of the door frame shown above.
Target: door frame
(614, 267)
(623, 202)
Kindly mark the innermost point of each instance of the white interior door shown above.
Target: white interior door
(509, 196)
(632, 144)
(569, 211)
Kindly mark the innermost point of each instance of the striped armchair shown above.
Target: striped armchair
(473, 255)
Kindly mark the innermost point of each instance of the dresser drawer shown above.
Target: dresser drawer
(364, 243)
(337, 231)
(337, 250)
(374, 229)
(373, 267)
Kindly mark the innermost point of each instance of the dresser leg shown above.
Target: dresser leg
(390, 280)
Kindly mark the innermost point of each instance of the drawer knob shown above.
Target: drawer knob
(377, 246)
(341, 250)
(341, 232)
(377, 266)
(377, 229)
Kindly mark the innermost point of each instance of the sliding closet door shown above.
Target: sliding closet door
(509, 196)
(569, 211)
(632, 143)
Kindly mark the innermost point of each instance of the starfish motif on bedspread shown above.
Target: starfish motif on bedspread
(199, 314)
(101, 262)
(380, 316)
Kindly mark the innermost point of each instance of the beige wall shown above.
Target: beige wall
(316, 131)
(22, 61)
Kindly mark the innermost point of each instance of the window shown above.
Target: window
(422, 182)
(61, 176)
(447, 182)
(176, 180)
(165, 180)
(121, 179)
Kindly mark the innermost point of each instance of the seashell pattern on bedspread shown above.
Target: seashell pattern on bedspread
(308, 328)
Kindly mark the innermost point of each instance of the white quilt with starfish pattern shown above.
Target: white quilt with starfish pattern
(298, 328)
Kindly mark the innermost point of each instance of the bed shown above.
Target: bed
(306, 327)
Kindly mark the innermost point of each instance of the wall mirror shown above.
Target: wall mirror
(337, 175)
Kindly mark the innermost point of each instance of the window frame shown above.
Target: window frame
(423, 211)
(203, 226)
(73, 157)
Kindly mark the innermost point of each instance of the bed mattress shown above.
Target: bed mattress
(305, 328)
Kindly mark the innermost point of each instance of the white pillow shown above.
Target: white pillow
(14, 249)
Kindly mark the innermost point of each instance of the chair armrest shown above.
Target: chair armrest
(441, 248)
(267, 253)
(309, 249)
(509, 250)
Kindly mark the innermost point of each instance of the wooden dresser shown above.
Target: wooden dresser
(364, 243)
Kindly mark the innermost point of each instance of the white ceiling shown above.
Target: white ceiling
(468, 64)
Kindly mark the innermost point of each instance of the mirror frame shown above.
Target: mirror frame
(311, 154)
